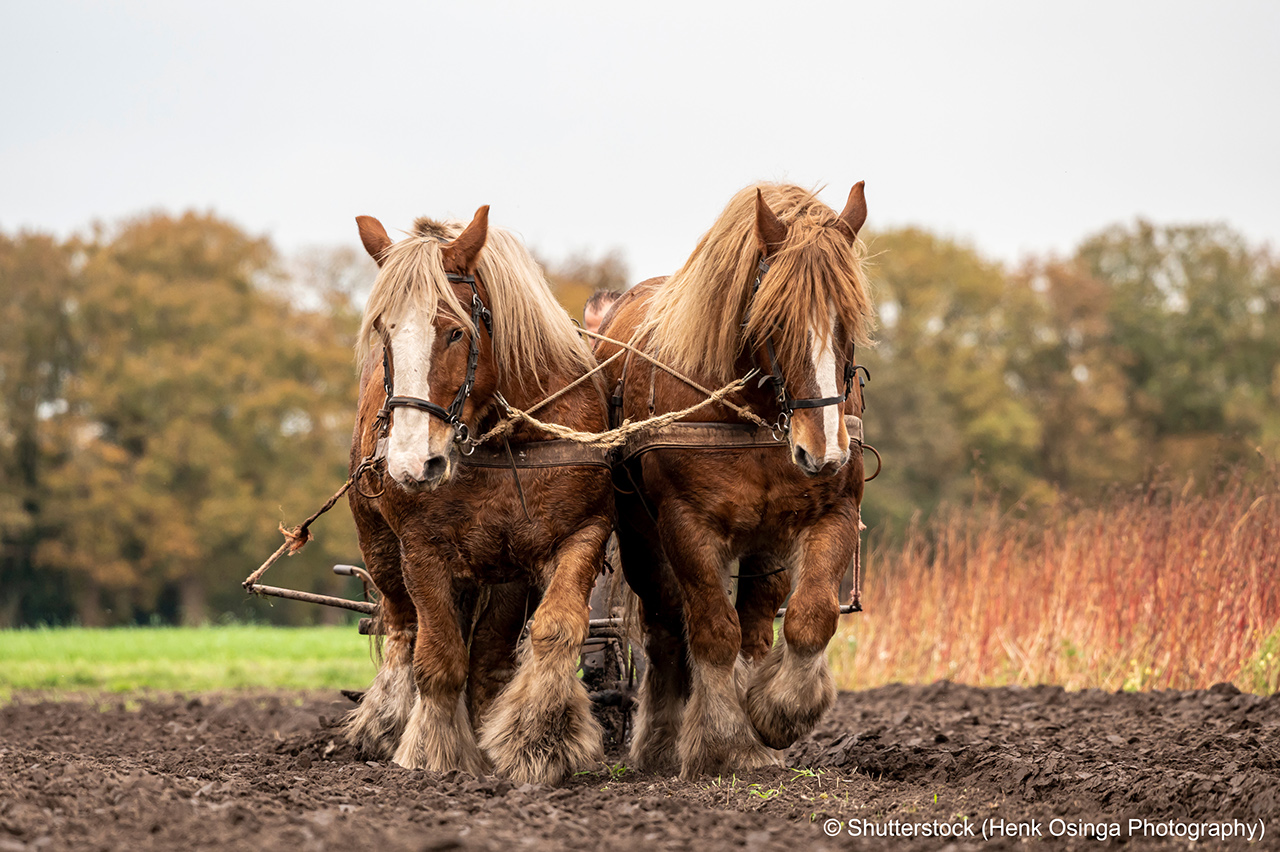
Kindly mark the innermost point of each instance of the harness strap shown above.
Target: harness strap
(717, 436)
(480, 315)
(786, 403)
(526, 455)
(515, 473)
(616, 401)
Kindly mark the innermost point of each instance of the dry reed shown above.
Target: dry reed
(1163, 589)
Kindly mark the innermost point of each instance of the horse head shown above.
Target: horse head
(430, 310)
(811, 370)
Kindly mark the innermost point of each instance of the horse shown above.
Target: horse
(460, 320)
(776, 285)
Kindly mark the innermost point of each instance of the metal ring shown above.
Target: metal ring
(469, 447)
(879, 462)
(364, 468)
(461, 433)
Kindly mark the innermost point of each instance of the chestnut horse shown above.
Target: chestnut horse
(776, 285)
(457, 320)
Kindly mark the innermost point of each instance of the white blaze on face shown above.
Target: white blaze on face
(409, 445)
(824, 367)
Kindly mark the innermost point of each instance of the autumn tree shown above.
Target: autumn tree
(1064, 364)
(574, 279)
(36, 353)
(1194, 316)
(203, 408)
(940, 406)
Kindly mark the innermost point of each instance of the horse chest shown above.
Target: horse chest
(469, 542)
(746, 500)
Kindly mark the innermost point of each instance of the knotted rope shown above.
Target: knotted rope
(612, 437)
(296, 538)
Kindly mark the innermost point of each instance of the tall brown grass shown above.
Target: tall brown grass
(1167, 588)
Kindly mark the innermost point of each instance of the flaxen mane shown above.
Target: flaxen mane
(532, 334)
(695, 318)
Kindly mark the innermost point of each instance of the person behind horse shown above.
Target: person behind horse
(597, 308)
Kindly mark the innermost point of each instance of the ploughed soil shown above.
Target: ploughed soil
(267, 772)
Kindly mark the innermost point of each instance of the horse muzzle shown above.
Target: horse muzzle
(815, 466)
(434, 471)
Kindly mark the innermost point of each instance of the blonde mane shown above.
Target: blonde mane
(533, 336)
(695, 317)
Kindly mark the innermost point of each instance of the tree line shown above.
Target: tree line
(172, 388)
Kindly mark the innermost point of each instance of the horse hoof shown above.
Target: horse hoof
(439, 738)
(789, 695)
(744, 758)
(378, 722)
(539, 740)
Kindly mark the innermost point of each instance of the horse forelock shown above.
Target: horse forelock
(411, 279)
(534, 340)
(695, 318)
(816, 276)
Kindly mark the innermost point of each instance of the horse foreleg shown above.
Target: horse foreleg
(762, 587)
(540, 729)
(793, 687)
(499, 621)
(716, 734)
(376, 725)
(438, 735)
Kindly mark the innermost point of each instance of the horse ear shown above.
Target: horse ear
(464, 251)
(770, 232)
(374, 237)
(855, 211)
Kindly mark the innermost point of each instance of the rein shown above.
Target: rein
(787, 403)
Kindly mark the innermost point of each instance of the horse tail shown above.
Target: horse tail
(626, 605)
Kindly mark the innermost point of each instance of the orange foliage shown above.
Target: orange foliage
(1164, 589)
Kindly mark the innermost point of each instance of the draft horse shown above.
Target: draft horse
(457, 320)
(777, 286)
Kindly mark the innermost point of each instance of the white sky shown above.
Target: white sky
(1020, 126)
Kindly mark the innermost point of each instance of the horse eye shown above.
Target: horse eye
(455, 335)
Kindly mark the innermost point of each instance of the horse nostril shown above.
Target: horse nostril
(434, 468)
(806, 462)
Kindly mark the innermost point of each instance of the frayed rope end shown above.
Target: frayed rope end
(296, 538)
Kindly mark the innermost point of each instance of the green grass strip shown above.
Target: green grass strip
(175, 659)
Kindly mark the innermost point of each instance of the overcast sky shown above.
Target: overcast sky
(1019, 127)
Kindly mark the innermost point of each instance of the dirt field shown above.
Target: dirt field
(222, 772)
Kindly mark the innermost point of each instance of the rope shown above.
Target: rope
(617, 437)
(296, 538)
(612, 437)
(745, 413)
(573, 384)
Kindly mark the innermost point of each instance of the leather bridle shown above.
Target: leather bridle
(452, 416)
(787, 403)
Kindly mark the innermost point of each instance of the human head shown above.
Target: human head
(597, 306)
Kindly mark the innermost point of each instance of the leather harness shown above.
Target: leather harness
(716, 436)
(564, 453)
(786, 402)
(453, 414)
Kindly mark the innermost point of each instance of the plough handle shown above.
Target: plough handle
(354, 571)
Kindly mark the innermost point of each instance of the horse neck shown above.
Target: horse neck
(578, 408)
(673, 394)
